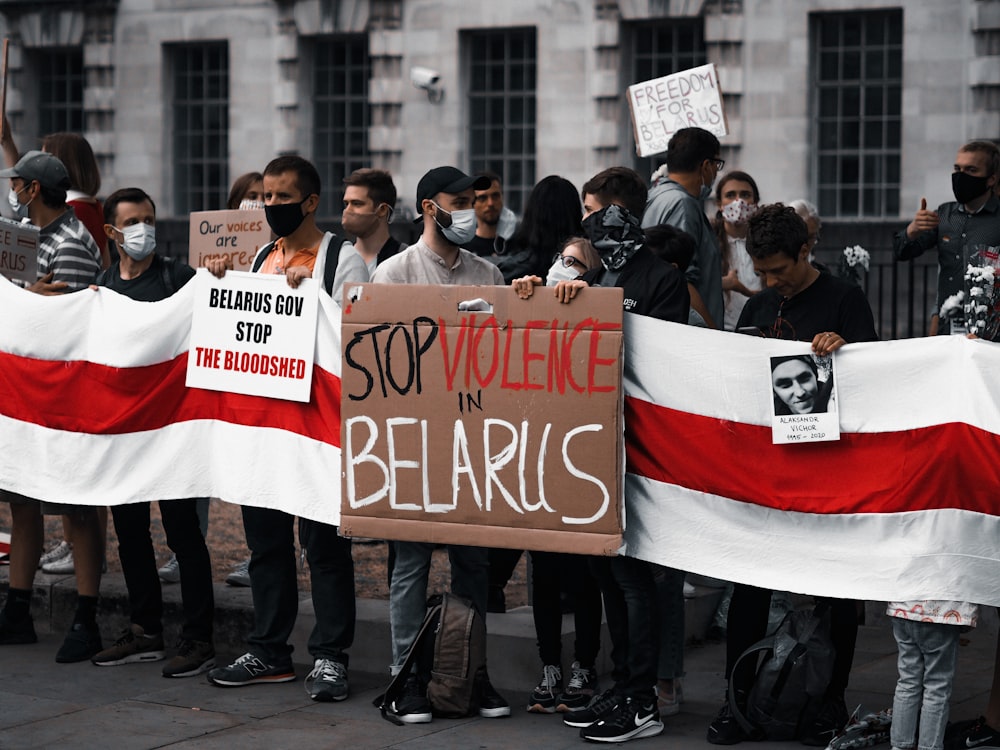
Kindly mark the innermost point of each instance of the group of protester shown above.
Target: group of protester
(750, 270)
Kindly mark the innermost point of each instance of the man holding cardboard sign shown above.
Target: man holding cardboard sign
(445, 198)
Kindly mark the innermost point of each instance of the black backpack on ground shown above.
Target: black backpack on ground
(448, 657)
(794, 665)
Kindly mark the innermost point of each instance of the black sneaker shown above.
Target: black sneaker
(13, 633)
(412, 706)
(327, 681)
(971, 734)
(724, 729)
(492, 705)
(579, 690)
(829, 722)
(251, 670)
(599, 708)
(543, 697)
(193, 658)
(81, 643)
(631, 720)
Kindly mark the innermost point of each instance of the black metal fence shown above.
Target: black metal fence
(902, 295)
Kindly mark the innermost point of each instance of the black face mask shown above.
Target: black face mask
(285, 218)
(615, 234)
(967, 187)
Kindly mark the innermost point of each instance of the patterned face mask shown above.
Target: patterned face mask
(615, 234)
(739, 211)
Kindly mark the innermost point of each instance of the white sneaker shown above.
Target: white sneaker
(240, 576)
(56, 553)
(170, 572)
(62, 566)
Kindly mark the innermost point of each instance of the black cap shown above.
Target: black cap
(447, 180)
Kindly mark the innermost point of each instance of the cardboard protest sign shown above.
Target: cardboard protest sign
(18, 250)
(662, 106)
(253, 334)
(235, 234)
(804, 399)
(498, 427)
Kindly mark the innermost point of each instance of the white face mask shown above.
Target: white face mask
(739, 211)
(506, 224)
(462, 228)
(139, 240)
(560, 272)
(20, 209)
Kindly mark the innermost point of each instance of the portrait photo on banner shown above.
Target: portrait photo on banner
(804, 399)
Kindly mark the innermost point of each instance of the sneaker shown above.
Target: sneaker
(170, 572)
(412, 706)
(133, 646)
(829, 722)
(193, 658)
(724, 729)
(56, 553)
(599, 708)
(579, 690)
(13, 633)
(240, 576)
(982, 736)
(327, 681)
(61, 566)
(492, 705)
(250, 670)
(669, 703)
(631, 720)
(543, 698)
(81, 643)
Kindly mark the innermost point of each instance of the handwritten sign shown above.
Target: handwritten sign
(804, 397)
(18, 250)
(236, 235)
(499, 427)
(253, 334)
(662, 106)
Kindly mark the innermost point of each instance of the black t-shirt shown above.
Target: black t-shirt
(159, 281)
(483, 246)
(828, 304)
(652, 287)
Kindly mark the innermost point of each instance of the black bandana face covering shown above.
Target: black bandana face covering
(615, 234)
(285, 218)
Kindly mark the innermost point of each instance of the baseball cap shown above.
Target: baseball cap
(40, 166)
(446, 180)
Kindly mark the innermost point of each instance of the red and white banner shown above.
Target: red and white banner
(905, 505)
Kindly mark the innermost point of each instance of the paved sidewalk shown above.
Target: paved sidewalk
(47, 705)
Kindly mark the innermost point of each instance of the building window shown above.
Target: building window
(656, 49)
(200, 126)
(502, 70)
(341, 70)
(60, 90)
(857, 77)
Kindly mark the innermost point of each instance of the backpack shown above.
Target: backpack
(449, 654)
(793, 672)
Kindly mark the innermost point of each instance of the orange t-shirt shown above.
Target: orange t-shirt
(275, 261)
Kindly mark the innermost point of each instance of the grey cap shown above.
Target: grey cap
(41, 166)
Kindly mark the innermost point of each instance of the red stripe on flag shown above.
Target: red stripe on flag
(944, 466)
(98, 399)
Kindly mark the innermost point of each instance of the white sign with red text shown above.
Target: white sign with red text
(253, 334)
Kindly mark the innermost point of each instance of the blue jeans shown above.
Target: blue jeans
(470, 571)
(927, 655)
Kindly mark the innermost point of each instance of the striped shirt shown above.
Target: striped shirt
(67, 249)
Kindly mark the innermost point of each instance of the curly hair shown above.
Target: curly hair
(776, 228)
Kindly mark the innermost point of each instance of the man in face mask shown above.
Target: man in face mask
(959, 228)
(141, 274)
(679, 200)
(444, 203)
(369, 200)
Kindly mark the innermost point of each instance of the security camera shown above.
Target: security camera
(424, 78)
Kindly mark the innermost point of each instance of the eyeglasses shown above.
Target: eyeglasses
(719, 164)
(569, 261)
